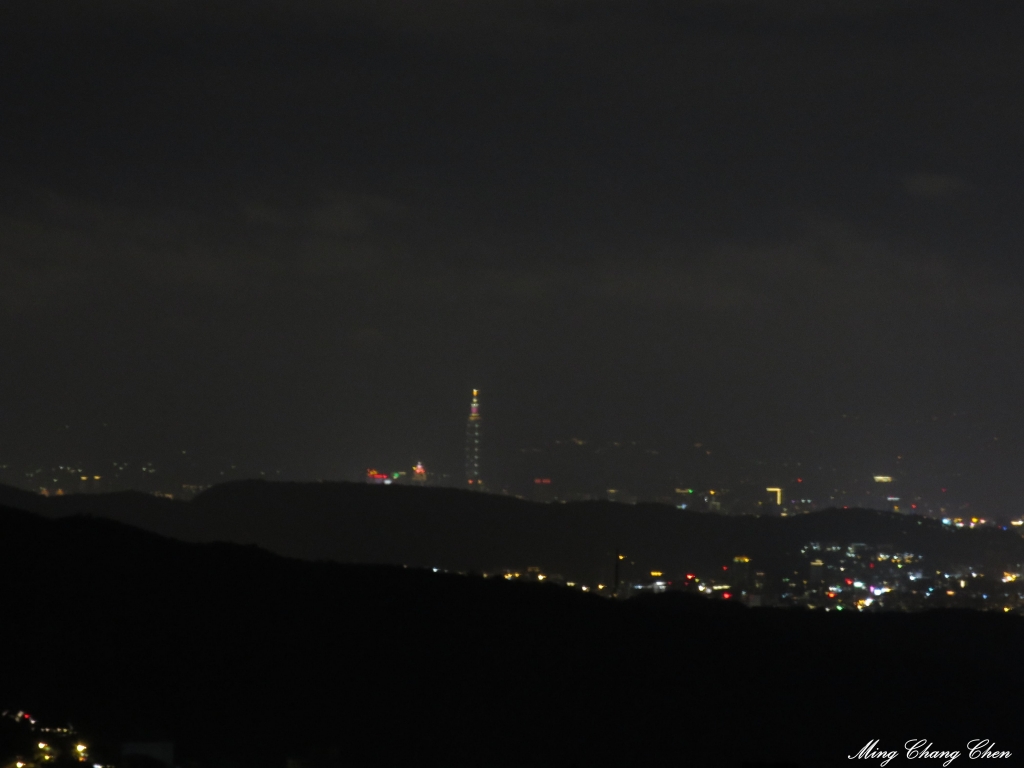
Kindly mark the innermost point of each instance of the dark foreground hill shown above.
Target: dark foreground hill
(461, 531)
(244, 658)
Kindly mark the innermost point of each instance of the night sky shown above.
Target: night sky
(294, 235)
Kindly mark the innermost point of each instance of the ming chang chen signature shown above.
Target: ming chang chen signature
(922, 749)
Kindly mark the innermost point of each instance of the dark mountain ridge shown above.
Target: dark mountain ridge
(462, 531)
(244, 658)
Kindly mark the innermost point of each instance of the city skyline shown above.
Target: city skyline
(578, 469)
(572, 470)
(779, 230)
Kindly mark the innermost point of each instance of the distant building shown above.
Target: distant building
(816, 574)
(377, 478)
(473, 479)
(740, 577)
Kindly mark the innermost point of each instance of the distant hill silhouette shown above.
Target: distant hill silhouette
(462, 531)
(244, 658)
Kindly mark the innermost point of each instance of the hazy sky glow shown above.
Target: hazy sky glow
(297, 234)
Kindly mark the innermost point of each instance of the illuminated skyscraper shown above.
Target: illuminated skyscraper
(473, 443)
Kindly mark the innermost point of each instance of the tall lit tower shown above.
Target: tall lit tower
(473, 443)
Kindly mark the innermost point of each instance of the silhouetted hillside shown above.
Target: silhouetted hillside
(245, 658)
(462, 531)
(16, 498)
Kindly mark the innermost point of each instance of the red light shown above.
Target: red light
(871, 565)
(725, 567)
(849, 581)
(726, 595)
(831, 594)
(799, 479)
(689, 575)
(913, 506)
